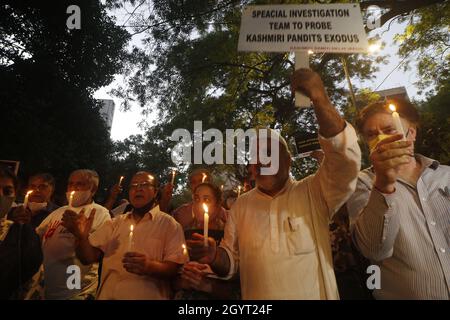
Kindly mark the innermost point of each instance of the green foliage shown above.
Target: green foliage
(50, 121)
(434, 135)
(426, 41)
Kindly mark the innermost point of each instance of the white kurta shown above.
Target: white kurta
(281, 244)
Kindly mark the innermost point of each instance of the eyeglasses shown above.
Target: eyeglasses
(143, 185)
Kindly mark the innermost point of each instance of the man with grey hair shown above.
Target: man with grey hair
(277, 234)
(65, 277)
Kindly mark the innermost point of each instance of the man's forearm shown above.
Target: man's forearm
(87, 253)
(221, 264)
(377, 227)
(330, 121)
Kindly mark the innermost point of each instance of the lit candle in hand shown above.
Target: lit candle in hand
(71, 199)
(397, 120)
(173, 177)
(130, 239)
(205, 224)
(25, 201)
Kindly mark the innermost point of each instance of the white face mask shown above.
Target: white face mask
(80, 198)
(37, 206)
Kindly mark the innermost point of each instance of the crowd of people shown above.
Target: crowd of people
(281, 239)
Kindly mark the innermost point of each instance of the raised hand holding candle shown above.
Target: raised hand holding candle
(25, 201)
(397, 120)
(130, 239)
(205, 224)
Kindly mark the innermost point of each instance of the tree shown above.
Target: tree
(433, 138)
(191, 70)
(428, 36)
(48, 74)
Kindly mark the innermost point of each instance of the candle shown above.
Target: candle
(239, 191)
(221, 188)
(130, 238)
(120, 181)
(71, 199)
(25, 201)
(185, 251)
(205, 224)
(204, 177)
(397, 120)
(173, 177)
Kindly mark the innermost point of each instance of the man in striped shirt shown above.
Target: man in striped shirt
(400, 211)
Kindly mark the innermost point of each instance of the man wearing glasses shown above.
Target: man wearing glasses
(400, 211)
(58, 244)
(40, 203)
(142, 249)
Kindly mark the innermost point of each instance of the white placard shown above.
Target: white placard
(316, 27)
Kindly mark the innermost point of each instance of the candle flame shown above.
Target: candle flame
(310, 51)
(150, 177)
(204, 177)
(28, 193)
(183, 246)
(131, 228)
(205, 207)
(392, 107)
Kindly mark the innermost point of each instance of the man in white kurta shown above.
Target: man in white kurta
(277, 235)
(281, 243)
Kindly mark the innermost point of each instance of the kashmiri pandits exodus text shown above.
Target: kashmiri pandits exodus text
(302, 13)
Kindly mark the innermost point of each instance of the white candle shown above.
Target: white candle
(204, 177)
(130, 239)
(397, 121)
(173, 177)
(71, 199)
(185, 251)
(120, 181)
(25, 201)
(205, 224)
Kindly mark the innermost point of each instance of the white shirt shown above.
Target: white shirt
(281, 244)
(157, 235)
(58, 248)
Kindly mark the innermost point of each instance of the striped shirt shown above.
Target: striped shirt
(407, 233)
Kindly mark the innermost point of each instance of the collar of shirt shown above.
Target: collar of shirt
(427, 162)
(287, 185)
(148, 216)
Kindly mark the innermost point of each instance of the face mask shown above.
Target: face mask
(80, 198)
(374, 142)
(37, 206)
(5, 204)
